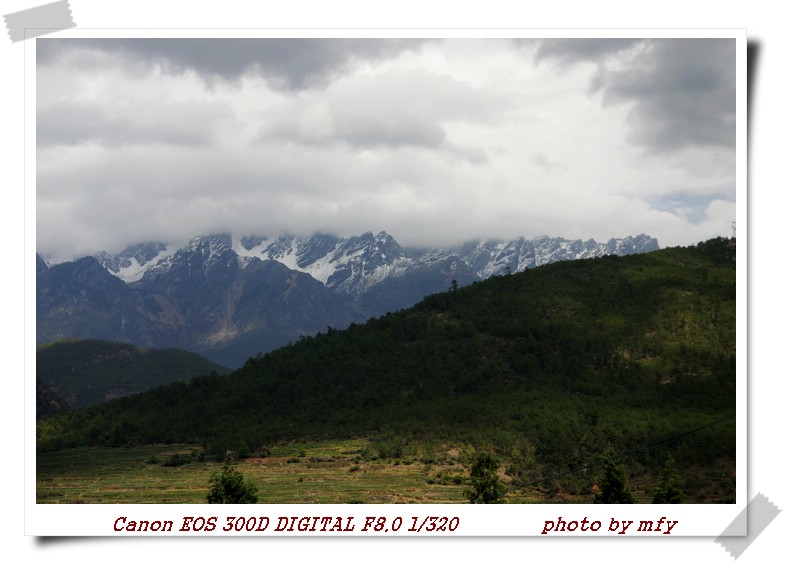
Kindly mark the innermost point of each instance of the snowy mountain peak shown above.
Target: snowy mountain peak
(211, 244)
(132, 263)
(356, 263)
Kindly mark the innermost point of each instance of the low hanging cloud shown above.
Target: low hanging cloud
(77, 122)
(433, 141)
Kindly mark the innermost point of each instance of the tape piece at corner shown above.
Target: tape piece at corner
(39, 21)
(757, 515)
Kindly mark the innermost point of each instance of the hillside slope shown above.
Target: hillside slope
(48, 403)
(84, 372)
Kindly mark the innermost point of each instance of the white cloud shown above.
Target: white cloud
(433, 142)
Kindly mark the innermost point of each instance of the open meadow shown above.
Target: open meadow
(324, 471)
(320, 472)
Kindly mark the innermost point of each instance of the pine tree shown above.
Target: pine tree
(486, 486)
(613, 484)
(668, 490)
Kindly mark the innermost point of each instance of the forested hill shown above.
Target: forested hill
(557, 364)
(84, 372)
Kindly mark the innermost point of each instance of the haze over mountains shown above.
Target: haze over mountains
(231, 297)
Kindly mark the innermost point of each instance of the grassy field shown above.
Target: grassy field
(321, 472)
(339, 471)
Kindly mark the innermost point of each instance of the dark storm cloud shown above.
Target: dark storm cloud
(684, 91)
(681, 92)
(569, 51)
(287, 64)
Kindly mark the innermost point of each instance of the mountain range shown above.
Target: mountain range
(231, 297)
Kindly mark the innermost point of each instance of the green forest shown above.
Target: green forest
(555, 371)
(86, 372)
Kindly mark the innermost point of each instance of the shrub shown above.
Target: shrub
(176, 460)
(228, 486)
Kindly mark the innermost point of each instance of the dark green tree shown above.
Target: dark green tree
(228, 485)
(614, 484)
(486, 487)
(668, 490)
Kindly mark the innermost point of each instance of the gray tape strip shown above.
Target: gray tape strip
(760, 512)
(39, 20)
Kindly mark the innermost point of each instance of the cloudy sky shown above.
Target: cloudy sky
(433, 141)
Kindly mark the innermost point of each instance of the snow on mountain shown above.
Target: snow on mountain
(132, 263)
(348, 264)
(353, 265)
(497, 257)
